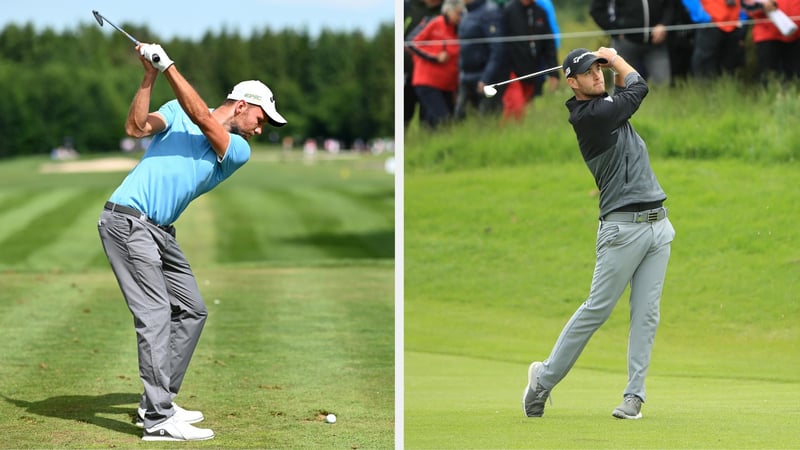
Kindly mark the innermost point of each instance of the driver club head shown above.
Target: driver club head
(489, 91)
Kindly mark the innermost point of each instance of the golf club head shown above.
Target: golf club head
(489, 91)
(98, 17)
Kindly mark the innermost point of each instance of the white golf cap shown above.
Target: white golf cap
(257, 93)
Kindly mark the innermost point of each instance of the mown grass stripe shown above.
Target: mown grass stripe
(343, 227)
(255, 336)
(47, 218)
(236, 223)
(56, 327)
(74, 242)
(196, 232)
(12, 199)
(16, 232)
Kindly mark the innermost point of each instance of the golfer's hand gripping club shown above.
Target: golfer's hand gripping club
(156, 55)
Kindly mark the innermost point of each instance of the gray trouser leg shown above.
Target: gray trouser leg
(646, 287)
(626, 252)
(162, 295)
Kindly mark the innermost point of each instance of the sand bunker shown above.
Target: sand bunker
(93, 165)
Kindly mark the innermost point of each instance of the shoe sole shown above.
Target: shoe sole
(622, 415)
(140, 423)
(172, 439)
(532, 380)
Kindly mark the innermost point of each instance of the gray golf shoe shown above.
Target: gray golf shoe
(535, 395)
(631, 408)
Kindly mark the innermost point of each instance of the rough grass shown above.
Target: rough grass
(726, 119)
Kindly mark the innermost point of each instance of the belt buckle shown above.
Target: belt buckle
(652, 216)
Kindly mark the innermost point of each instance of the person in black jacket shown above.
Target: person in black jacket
(481, 59)
(644, 43)
(527, 18)
(416, 13)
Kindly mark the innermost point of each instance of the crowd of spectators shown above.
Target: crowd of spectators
(456, 47)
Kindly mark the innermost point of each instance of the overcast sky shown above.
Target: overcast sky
(191, 19)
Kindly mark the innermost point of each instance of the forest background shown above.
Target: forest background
(76, 85)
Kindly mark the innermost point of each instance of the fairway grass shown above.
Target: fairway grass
(281, 347)
(497, 260)
(459, 402)
(294, 258)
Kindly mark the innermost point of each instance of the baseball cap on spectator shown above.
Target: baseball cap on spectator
(579, 61)
(257, 93)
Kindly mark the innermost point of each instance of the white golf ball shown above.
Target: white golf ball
(330, 418)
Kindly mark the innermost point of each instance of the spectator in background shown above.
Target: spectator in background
(527, 18)
(480, 62)
(547, 6)
(435, 77)
(646, 49)
(719, 49)
(777, 55)
(680, 43)
(416, 13)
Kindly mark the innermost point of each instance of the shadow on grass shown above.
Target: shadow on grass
(376, 244)
(85, 408)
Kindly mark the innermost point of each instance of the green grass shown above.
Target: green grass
(295, 262)
(688, 121)
(496, 260)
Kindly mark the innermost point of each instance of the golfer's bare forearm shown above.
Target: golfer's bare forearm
(136, 123)
(197, 110)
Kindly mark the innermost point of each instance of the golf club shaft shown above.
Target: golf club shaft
(530, 75)
(102, 19)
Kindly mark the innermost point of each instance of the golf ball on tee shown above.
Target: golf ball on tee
(330, 418)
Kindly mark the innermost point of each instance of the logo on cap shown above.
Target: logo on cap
(578, 58)
(253, 96)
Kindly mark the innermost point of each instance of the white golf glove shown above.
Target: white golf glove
(151, 51)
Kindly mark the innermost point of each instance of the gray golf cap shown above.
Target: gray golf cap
(579, 61)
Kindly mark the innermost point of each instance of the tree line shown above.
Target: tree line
(79, 83)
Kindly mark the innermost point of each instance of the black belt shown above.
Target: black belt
(637, 207)
(113, 207)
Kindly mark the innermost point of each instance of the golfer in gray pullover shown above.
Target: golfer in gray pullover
(634, 236)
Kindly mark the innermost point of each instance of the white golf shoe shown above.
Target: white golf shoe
(175, 430)
(181, 415)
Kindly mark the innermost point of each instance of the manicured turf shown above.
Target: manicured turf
(496, 261)
(295, 262)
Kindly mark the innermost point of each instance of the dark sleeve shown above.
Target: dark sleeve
(597, 122)
(493, 28)
(598, 9)
(668, 12)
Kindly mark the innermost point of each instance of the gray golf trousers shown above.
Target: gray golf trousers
(162, 294)
(635, 253)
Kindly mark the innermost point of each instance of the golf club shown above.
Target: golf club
(100, 19)
(490, 91)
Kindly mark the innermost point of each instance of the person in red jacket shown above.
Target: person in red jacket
(435, 50)
(719, 49)
(777, 54)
